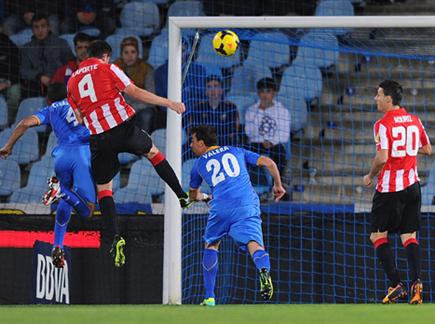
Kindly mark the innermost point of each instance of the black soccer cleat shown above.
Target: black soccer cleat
(58, 257)
(185, 202)
(266, 286)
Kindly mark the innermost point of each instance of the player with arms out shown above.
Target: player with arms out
(235, 207)
(74, 185)
(399, 137)
(94, 92)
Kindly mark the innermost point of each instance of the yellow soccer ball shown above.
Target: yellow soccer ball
(226, 42)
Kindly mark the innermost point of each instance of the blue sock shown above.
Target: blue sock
(63, 215)
(261, 260)
(75, 201)
(210, 268)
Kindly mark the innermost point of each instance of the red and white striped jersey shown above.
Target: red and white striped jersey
(95, 89)
(402, 134)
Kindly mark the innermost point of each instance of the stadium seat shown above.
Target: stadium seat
(28, 107)
(297, 107)
(335, 8)
(10, 177)
(245, 78)
(428, 191)
(242, 103)
(268, 49)
(115, 42)
(36, 185)
(125, 158)
(157, 2)
(70, 40)
(207, 55)
(183, 9)
(26, 149)
(319, 49)
(3, 113)
(143, 181)
(159, 49)
(303, 80)
(139, 18)
(159, 139)
(22, 38)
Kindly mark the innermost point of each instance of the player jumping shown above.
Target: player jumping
(235, 207)
(399, 137)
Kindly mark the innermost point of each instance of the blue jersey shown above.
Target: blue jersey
(224, 169)
(65, 126)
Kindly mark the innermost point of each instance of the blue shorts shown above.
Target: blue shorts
(242, 223)
(72, 165)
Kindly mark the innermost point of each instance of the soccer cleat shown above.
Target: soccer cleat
(266, 286)
(395, 293)
(208, 302)
(53, 193)
(58, 257)
(185, 202)
(416, 293)
(117, 250)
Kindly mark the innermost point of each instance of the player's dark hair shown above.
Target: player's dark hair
(82, 37)
(98, 48)
(56, 92)
(393, 89)
(213, 77)
(38, 17)
(205, 133)
(266, 83)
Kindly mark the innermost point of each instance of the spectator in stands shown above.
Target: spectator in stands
(9, 74)
(86, 17)
(216, 111)
(267, 124)
(142, 75)
(81, 43)
(41, 57)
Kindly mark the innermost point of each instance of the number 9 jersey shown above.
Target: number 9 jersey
(402, 134)
(95, 90)
(224, 169)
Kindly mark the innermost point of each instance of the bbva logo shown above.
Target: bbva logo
(51, 282)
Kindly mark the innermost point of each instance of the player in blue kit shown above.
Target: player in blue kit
(234, 207)
(74, 186)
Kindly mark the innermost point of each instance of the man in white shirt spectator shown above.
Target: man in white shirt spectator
(267, 124)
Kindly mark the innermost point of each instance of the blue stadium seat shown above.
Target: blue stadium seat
(242, 103)
(159, 49)
(428, 191)
(125, 158)
(3, 113)
(26, 149)
(28, 107)
(36, 185)
(245, 78)
(186, 8)
(207, 55)
(10, 177)
(139, 18)
(297, 107)
(22, 38)
(268, 49)
(115, 42)
(143, 181)
(159, 139)
(335, 8)
(157, 2)
(70, 40)
(302, 80)
(319, 49)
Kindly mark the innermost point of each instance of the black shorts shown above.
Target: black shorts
(106, 146)
(397, 212)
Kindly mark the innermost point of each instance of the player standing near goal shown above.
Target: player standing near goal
(235, 207)
(399, 137)
(74, 185)
(94, 92)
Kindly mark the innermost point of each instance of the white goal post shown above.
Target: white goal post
(172, 293)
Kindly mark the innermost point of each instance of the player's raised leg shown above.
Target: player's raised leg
(165, 171)
(210, 262)
(384, 253)
(410, 243)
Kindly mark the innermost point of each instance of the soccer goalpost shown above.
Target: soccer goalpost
(172, 276)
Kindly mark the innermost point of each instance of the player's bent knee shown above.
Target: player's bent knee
(376, 236)
(408, 238)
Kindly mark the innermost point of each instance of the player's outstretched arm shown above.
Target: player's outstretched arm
(425, 149)
(153, 99)
(278, 189)
(21, 128)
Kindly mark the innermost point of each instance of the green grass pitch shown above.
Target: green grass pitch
(238, 314)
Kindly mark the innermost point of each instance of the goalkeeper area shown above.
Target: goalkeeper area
(223, 314)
